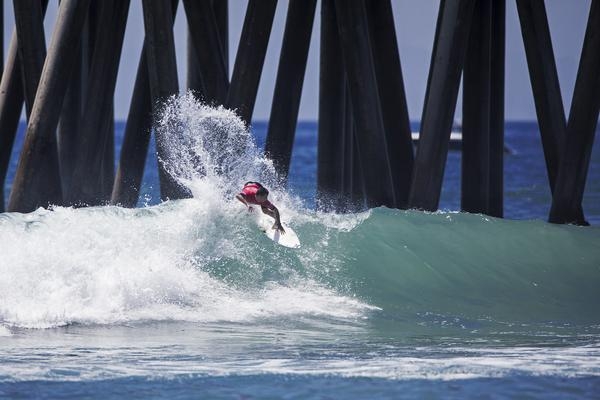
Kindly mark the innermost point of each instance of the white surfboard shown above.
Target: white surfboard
(288, 239)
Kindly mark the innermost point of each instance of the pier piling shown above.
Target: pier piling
(581, 129)
(162, 74)
(11, 104)
(250, 57)
(136, 139)
(362, 86)
(221, 12)
(545, 85)
(390, 85)
(288, 84)
(451, 37)
(496, 140)
(332, 97)
(29, 22)
(69, 122)
(544, 81)
(477, 79)
(365, 155)
(37, 180)
(210, 63)
(95, 131)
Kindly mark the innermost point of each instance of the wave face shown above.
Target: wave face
(204, 260)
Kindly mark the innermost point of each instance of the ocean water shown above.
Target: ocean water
(187, 299)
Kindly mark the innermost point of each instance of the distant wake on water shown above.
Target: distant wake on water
(203, 260)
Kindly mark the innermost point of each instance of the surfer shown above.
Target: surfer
(255, 193)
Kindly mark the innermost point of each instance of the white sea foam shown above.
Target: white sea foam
(110, 265)
(190, 260)
(4, 331)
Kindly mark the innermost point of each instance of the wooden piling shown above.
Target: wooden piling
(362, 85)
(29, 22)
(37, 180)
(288, 85)
(392, 96)
(581, 129)
(1, 40)
(136, 139)
(349, 154)
(87, 179)
(250, 57)
(107, 173)
(353, 185)
(483, 112)
(11, 104)
(162, 74)
(221, 11)
(447, 59)
(332, 97)
(477, 81)
(193, 77)
(160, 49)
(204, 37)
(544, 83)
(68, 124)
(496, 140)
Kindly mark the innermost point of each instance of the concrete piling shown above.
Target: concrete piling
(207, 47)
(483, 112)
(136, 139)
(544, 81)
(581, 129)
(37, 180)
(496, 139)
(288, 84)
(162, 74)
(475, 192)
(545, 85)
(94, 135)
(11, 104)
(362, 86)
(332, 97)
(390, 84)
(250, 57)
(453, 26)
(29, 22)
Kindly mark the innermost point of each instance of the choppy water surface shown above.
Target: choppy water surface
(187, 299)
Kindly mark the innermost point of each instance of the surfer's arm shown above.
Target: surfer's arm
(241, 198)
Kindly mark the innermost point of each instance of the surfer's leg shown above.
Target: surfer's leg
(270, 213)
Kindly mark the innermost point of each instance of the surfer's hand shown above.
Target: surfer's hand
(250, 209)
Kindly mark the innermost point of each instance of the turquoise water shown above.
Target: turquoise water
(187, 299)
(168, 301)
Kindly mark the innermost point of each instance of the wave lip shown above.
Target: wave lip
(203, 259)
(475, 268)
(188, 260)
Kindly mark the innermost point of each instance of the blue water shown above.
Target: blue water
(187, 299)
(526, 188)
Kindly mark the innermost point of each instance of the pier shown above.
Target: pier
(366, 155)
